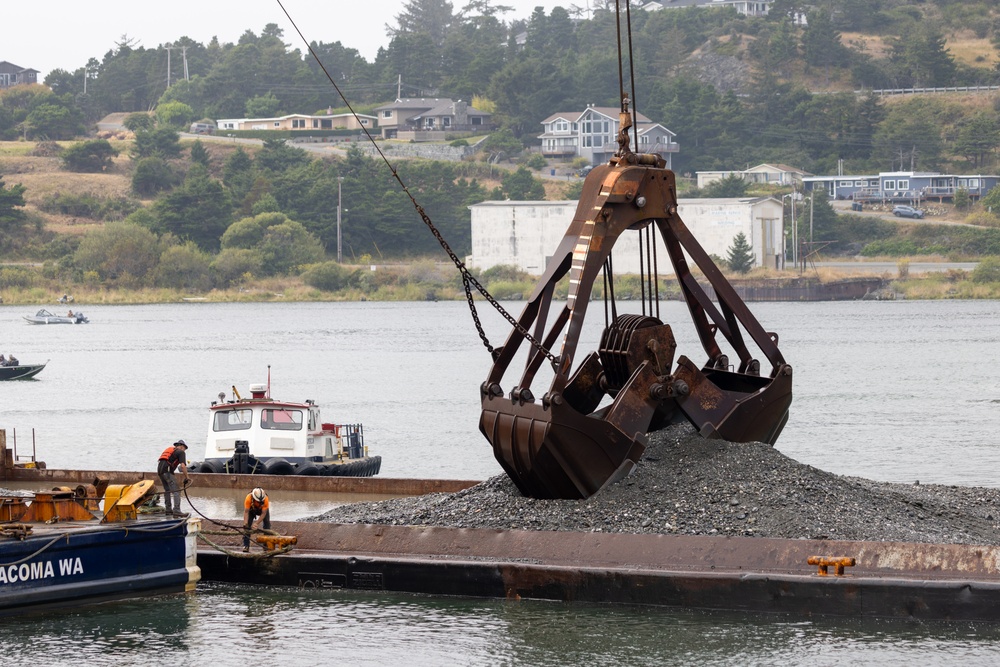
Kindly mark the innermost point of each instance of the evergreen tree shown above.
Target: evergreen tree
(198, 211)
(11, 210)
(199, 154)
(741, 258)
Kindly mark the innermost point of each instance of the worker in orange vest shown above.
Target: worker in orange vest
(173, 457)
(256, 512)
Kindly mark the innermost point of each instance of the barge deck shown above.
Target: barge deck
(890, 579)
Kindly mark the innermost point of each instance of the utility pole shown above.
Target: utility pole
(795, 236)
(340, 182)
(812, 199)
(169, 49)
(184, 54)
(399, 87)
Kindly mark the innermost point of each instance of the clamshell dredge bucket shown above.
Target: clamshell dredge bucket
(564, 445)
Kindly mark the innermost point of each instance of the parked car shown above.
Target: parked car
(907, 212)
(583, 171)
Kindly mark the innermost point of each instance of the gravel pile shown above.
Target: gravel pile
(688, 485)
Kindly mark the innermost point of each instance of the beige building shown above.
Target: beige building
(526, 233)
(299, 121)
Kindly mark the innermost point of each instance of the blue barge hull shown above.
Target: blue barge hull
(65, 564)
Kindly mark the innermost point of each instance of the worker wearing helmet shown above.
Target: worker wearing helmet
(256, 513)
(172, 457)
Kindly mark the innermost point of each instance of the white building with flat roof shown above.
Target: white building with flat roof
(526, 233)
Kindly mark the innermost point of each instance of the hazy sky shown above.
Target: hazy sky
(64, 34)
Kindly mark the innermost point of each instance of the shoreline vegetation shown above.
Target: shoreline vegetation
(430, 280)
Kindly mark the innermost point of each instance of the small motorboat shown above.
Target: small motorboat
(20, 371)
(45, 317)
(267, 436)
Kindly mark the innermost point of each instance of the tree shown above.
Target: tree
(282, 244)
(427, 17)
(93, 156)
(139, 121)
(174, 114)
(740, 258)
(198, 211)
(521, 185)
(184, 267)
(978, 137)
(163, 142)
(119, 251)
(233, 265)
(503, 141)
(199, 154)
(152, 175)
(11, 214)
(278, 156)
(263, 106)
(53, 121)
(732, 185)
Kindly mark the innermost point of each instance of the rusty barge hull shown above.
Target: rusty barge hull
(890, 579)
(361, 485)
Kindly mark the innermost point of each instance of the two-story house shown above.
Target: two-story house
(299, 121)
(593, 134)
(14, 75)
(429, 119)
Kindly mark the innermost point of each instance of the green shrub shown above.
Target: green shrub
(503, 272)
(93, 156)
(327, 276)
(234, 265)
(184, 267)
(89, 206)
(17, 276)
(152, 175)
(459, 143)
(536, 161)
(987, 271)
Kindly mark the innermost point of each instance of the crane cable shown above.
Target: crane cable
(468, 280)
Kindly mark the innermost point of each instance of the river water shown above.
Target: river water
(897, 391)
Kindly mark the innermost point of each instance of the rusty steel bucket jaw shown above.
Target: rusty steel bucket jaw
(566, 445)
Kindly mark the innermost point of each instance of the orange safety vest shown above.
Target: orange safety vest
(166, 453)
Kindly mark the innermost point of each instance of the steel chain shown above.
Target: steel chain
(468, 278)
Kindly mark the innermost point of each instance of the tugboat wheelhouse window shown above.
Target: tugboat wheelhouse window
(281, 420)
(232, 420)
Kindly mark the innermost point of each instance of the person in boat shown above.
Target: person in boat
(256, 513)
(173, 457)
(11, 361)
(3, 360)
(70, 314)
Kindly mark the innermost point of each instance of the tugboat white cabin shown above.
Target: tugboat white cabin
(263, 435)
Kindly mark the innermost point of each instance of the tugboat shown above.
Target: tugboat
(261, 435)
(60, 548)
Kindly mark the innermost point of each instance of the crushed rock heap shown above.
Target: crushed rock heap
(689, 485)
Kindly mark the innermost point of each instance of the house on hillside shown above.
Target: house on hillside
(430, 119)
(901, 186)
(299, 121)
(593, 134)
(750, 8)
(525, 233)
(771, 174)
(15, 75)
